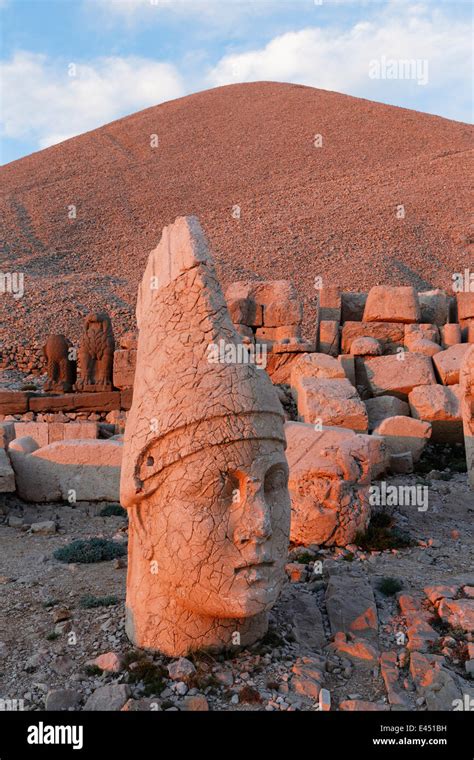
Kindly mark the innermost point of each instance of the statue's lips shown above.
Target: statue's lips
(254, 571)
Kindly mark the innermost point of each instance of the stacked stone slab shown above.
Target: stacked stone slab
(267, 312)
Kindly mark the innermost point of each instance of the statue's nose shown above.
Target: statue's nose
(255, 523)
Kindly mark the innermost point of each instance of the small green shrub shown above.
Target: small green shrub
(93, 670)
(381, 534)
(52, 636)
(152, 676)
(389, 586)
(115, 510)
(89, 601)
(50, 603)
(90, 550)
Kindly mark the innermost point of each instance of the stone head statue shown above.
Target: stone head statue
(466, 382)
(204, 474)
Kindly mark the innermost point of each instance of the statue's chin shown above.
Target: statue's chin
(246, 604)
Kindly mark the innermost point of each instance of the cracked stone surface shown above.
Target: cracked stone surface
(205, 476)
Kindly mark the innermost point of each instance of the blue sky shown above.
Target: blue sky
(68, 66)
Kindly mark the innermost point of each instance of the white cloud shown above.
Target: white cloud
(42, 102)
(336, 59)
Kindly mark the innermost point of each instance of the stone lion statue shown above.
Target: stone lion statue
(96, 354)
(60, 366)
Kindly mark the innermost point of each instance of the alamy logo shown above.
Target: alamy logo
(14, 283)
(46, 734)
(399, 68)
(384, 495)
(466, 703)
(237, 353)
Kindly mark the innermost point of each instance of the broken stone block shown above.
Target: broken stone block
(401, 464)
(308, 676)
(329, 303)
(405, 434)
(87, 470)
(124, 368)
(458, 613)
(465, 302)
(433, 681)
(392, 304)
(423, 331)
(7, 434)
(397, 375)
(245, 311)
(391, 335)
(448, 362)
(45, 527)
(329, 339)
(381, 407)
(111, 697)
(331, 402)
(306, 618)
(353, 305)
(351, 605)
(365, 346)
(390, 674)
(451, 335)
(434, 307)
(315, 365)
(330, 471)
(282, 313)
(441, 406)
(76, 402)
(14, 402)
(7, 475)
(347, 363)
(362, 705)
(357, 650)
(424, 347)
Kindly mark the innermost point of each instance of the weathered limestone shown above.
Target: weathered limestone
(204, 475)
(353, 305)
(434, 307)
(392, 304)
(448, 362)
(60, 367)
(423, 331)
(7, 434)
(267, 312)
(105, 401)
(44, 433)
(73, 470)
(465, 302)
(315, 365)
(366, 346)
(330, 473)
(405, 434)
(331, 402)
(96, 354)
(466, 381)
(124, 368)
(14, 402)
(381, 407)
(329, 337)
(7, 476)
(391, 335)
(397, 375)
(350, 605)
(441, 406)
(451, 335)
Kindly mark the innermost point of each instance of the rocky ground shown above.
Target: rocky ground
(395, 648)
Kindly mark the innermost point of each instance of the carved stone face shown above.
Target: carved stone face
(218, 526)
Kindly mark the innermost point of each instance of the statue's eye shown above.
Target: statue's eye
(230, 487)
(275, 479)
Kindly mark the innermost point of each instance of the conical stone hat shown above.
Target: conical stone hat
(182, 401)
